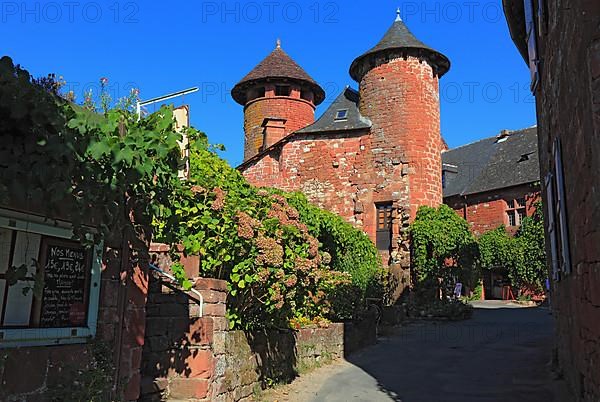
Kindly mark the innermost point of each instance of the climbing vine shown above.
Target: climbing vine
(107, 169)
(443, 249)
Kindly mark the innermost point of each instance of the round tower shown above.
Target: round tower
(399, 93)
(279, 97)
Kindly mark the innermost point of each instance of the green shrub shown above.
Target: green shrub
(283, 257)
(443, 249)
(440, 309)
(523, 255)
(350, 249)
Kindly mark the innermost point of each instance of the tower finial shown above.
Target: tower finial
(398, 18)
(278, 43)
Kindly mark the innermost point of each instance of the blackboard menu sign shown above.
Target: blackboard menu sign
(65, 297)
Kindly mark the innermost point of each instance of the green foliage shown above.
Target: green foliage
(532, 271)
(477, 293)
(429, 308)
(266, 244)
(350, 249)
(109, 170)
(442, 247)
(523, 255)
(497, 249)
(181, 277)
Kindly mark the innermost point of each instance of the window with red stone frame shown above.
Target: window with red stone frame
(384, 226)
(516, 211)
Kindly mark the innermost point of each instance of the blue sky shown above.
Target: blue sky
(162, 47)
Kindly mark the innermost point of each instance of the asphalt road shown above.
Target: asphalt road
(502, 354)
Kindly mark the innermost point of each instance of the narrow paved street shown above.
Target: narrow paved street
(501, 355)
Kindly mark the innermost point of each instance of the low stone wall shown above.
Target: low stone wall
(198, 359)
(254, 360)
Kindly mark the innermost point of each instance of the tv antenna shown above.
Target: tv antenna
(140, 104)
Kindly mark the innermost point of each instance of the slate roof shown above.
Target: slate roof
(347, 100)
(278, 64)
(399, 36)
(492, 164)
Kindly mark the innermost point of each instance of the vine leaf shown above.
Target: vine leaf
(98, 149)
(126, 154)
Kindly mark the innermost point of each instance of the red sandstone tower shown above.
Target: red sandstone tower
(279, 97)
(399, 93)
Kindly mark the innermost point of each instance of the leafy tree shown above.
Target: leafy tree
(532, 270)
(443, 247)
(523, 255)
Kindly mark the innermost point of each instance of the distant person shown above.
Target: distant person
(457, 290)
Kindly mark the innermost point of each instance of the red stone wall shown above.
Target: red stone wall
(297, 112)
(179, 359)
(401, 97)
(334, 172)
(568, 107)
(398, 161)
(192, 358)
(487, 211)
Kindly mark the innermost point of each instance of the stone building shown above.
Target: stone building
(373, 157)
(494, 181)
(560, 41)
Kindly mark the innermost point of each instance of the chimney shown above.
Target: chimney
(273, 130)
(503, 134)
(182, 122)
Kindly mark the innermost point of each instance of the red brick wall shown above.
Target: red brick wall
(297, 112)
(487, 211)
(401, 97)
(568, 107)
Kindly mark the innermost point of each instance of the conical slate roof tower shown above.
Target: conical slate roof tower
(399, 93)
(398, 39)
(279, 97)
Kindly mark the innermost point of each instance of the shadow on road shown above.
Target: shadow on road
(501, 354)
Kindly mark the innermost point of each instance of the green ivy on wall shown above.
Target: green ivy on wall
(443, 249)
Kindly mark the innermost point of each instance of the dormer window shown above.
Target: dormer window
(281, 90)
(341, 115)
(525, 157)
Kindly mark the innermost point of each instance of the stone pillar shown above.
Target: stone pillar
(182, 356)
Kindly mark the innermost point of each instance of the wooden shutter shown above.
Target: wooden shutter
(551, 226)
(562, 209)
